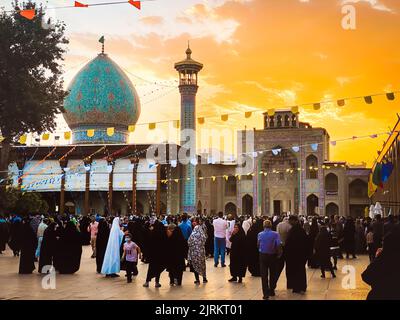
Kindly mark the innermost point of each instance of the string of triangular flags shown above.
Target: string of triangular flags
(379, 176)
(225, 117)
(31, 13)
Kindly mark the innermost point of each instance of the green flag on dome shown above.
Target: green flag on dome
(101, 40)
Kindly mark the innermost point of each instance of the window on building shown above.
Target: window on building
(230, 186)
(331, 184)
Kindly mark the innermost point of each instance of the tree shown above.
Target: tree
(22, 203)
(31, 87)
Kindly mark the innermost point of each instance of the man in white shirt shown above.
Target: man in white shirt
(220, 226)
(40, 231)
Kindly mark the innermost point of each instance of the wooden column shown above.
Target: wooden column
(158, 191)
(135, 163)
(63, 165)
(110, 162)
(87, 162)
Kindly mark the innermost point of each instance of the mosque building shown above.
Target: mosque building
(101, 173)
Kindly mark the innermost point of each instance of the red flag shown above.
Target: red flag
(136, 4)
(80, 5)
(28, 13)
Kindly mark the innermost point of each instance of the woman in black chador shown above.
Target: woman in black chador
(48, 247)
(28, 248)
(156, 253)
(349, 242)
(253, 261)
(210, 239)
(103, 232)
(16, 234)
(85, 233)
(296, 250)
(238, 263)
(69, 249)
(314, 230)
(323, 243)
(383, 273)
(176, 248)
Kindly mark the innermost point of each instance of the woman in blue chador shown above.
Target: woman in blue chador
(111, 264)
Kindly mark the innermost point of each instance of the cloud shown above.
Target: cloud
(152, 20)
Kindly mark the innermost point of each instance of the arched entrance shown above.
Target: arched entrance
(230, 208)
(312, 205)
(247, 205)
(281, 203)
(331, 209)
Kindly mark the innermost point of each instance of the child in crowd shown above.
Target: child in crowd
(131, 254)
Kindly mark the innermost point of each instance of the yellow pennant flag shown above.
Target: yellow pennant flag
(90, 133)
(371, 186)
(110, 131)
(67, 135)
(152, 126)
(200, 120)
(45, 136)
(317, 106)
(22, 139)
(131, 128)
(224, 117)
(248, 114)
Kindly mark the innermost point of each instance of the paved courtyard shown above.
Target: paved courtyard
(86, 284)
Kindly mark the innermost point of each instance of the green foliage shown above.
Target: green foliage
(22, 203)
(31, 87)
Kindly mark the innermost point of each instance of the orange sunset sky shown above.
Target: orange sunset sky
(258, 54)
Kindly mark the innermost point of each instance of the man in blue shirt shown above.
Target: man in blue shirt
(185, 227)
(269, 247)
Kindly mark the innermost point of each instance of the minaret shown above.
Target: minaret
(188, 70)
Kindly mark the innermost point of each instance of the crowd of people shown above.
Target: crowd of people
(262, 246)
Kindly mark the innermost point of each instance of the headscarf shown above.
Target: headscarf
(111, 263)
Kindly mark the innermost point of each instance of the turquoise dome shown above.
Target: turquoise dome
(101, 96)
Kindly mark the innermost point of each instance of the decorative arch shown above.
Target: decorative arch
(331, 183)
(358, 189)
(311, 164)
(230, 208)
(247, 205)
(312, 204)
(230, 186)
(331, 209)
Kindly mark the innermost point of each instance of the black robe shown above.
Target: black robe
(103, 232)
(253, 261)
(48, 247)
(69, 249)
(157, 250)
(83, 227)
(28, 249)
(296, 252)
(322, 248)
(238, 254)
(312, 259)
(16, 235)
(210, 239)
(383, 273)
(177, 248)
(349, 233)
(4, 234)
